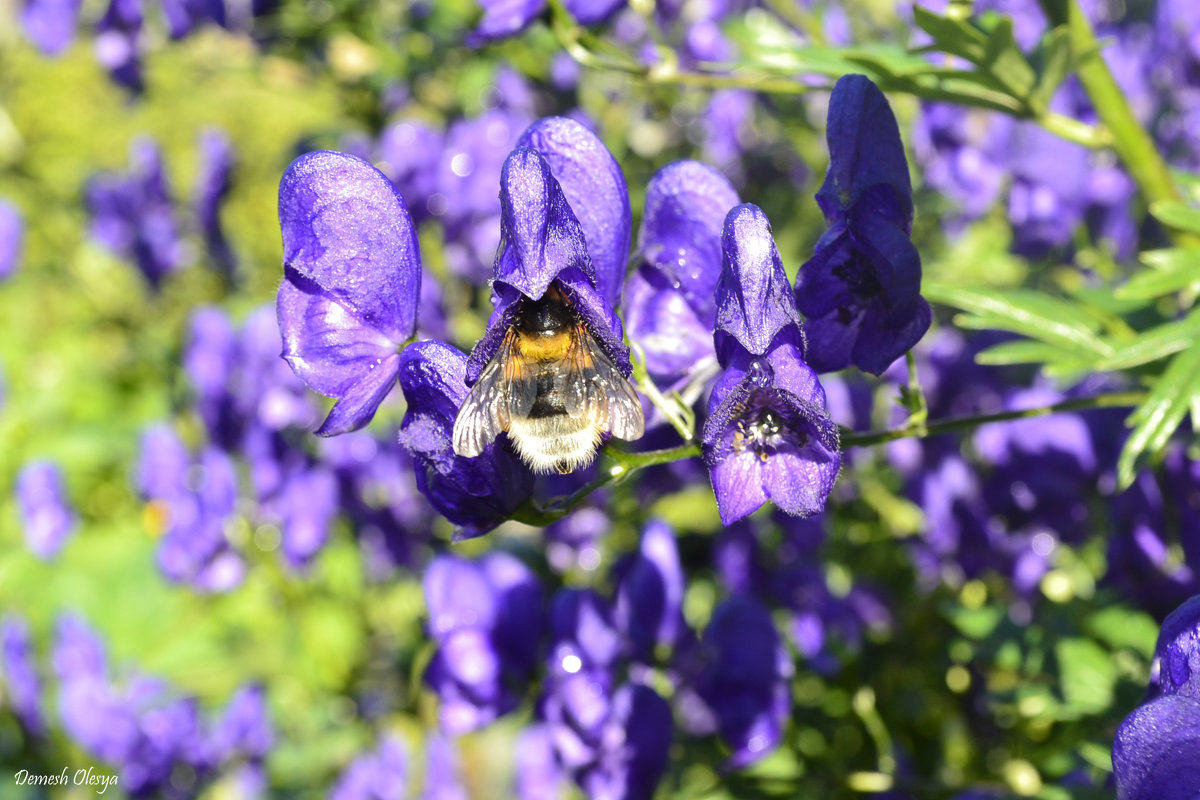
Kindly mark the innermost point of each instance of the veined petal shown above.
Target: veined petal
(864, 149)
(335, 353)
(754, 298)
(347, 231)
(686, 206)
(595, 188)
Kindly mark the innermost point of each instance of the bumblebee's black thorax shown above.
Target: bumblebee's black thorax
(549, 315)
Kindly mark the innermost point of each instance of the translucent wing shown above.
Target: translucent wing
(592, 386)
(501, 393)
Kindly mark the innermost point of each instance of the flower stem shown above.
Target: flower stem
(1130, 140)
(951, 424)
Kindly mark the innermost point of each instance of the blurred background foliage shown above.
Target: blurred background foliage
(965, 682)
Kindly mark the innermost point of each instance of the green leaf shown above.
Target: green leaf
(1027, 351)
(1054, 57)
(1121, 627)
(1033, 314)
(1154, 344)
(955, 36)
(1086, 675)
(1177, 215)
(1154, 421)
(1006, 62)
(1171, 270)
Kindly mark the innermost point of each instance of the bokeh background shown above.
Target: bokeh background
(974, 611)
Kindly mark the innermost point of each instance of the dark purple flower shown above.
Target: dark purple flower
(486, 618)
(11, 233)
(649, 606)
(118, 43)
(18, 670)
(50, 24)
(212, 189)
(309, 504)
(860, 292)
(352, 278)
(504, 18)
(594, 186)
(745, 679)
(474, 493)
(183, 15)
(1156, 753)
(964, 153)
(132, 214)
(669, 301)
(768, 435)
(406, 150)
(379, 775)
(45, 512)
(1176, 668)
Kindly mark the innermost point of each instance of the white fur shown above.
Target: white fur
(546, 442)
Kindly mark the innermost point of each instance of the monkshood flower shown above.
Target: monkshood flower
(669, 304)
(486, 618)
(132, 214)
(18, 671)
(477, 493)
(378, 775)
(45, 512)
(552, 369)
(352, 278)
(1156, 753)
(212, 189)
(118, 43)
(50, 24)
(11, 233)
(860, 292)
(612, 740)
(745, 680)
(539, 775)
(244, 728)
(650, 587)
(307, 505)
(768, 435)
(964, 153)
(443, 773)
(404, 150)
(504, 18)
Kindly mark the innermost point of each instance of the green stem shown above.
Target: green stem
(1132, 144)
(1112, 400)
(617, 465)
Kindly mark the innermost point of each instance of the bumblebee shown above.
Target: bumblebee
(552, 388)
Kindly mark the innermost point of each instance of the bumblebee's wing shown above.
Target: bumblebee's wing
(498, 396)
(592, 385)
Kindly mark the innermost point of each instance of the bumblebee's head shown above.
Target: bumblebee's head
(550, 313)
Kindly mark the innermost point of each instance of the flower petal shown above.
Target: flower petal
(347, 231)
(686, 206)
(754, 298)
(864, 148)
(594, 185)
(1156, 753)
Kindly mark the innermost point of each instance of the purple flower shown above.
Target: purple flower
(50, 24)
(118, 43)
(504, 18)
(45, 513)
(442, 771)
(768, 435)
(309, 503)
(11, 233)
(486, 618)
(745, 680)
(860, 292)
(594, 186)
(551, 369)
(405, 148)
(964, 153)
(212, 189)
(245, 727)
(539, 776)
(132, 214)
(669, 299)
(19, 673)
(650, 588)
(379, 775)
(474, 493)
(1156, 753)
(352, 278)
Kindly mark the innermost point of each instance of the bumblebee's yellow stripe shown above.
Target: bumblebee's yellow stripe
(546, 347)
